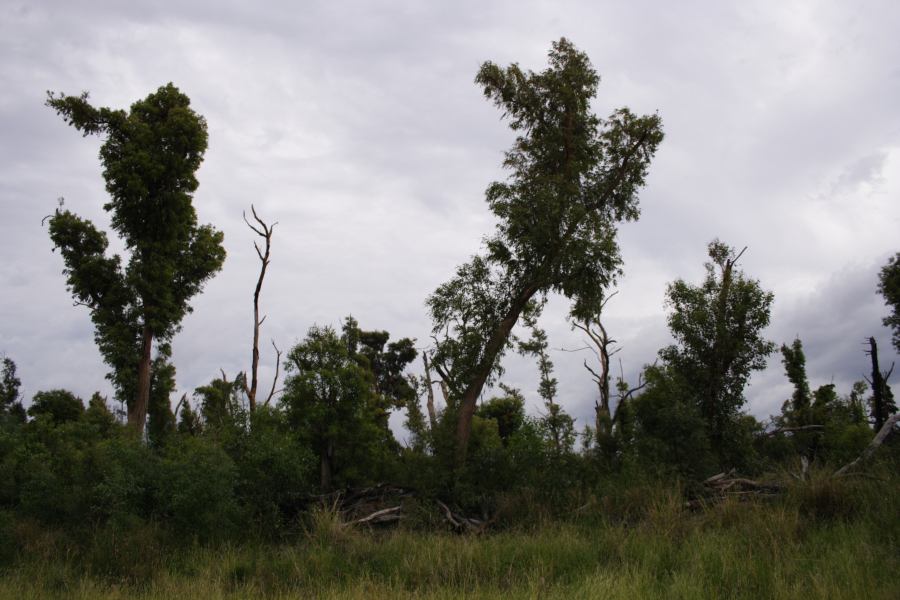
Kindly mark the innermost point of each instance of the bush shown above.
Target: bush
(196, 495)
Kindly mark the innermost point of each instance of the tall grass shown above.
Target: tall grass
(826, 539)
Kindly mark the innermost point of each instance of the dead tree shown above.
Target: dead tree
(601, 345)
(882, 403)
(432, 414)
(264, 231)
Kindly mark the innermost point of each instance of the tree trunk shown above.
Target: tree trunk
(264, 231)
(877, 387)
(493, 347)
(325, 466)
(137, 412)
(432, 414)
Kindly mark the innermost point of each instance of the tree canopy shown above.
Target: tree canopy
(150, 155)
(573, 177)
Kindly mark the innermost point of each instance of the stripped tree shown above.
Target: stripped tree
(265, 232)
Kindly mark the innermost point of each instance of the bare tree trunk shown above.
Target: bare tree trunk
(877, 384)
(432, 414)
(601, 341)
(265, 232)
(137, 412)
(325, 466)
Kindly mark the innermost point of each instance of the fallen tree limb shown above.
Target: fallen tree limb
(386, 515)
(882, 435)
(726, 483)
(460, 522)
(795, 429)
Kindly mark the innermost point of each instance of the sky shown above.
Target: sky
(358, 128)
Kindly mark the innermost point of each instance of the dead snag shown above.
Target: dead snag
(264, 231)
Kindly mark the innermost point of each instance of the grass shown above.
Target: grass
(826, 539)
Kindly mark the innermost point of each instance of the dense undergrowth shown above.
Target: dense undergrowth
(824, 538)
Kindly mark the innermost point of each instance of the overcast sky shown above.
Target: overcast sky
(357, 126)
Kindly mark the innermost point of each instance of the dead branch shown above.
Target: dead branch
(178, 406)
(727, 483)
(272, 391)
(385, 515)
(462, 523)
(882, 435)
(795, 429)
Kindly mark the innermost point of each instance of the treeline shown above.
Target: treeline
(237, 459)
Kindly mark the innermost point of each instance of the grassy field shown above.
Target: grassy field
(826, 539)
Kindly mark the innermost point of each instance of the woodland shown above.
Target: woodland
(299, 487)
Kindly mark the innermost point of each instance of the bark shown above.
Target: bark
(385, 515)
(265, 232)
(599, 337)
(432, 414)
(877, 383)
(325, 466)
(137, 412)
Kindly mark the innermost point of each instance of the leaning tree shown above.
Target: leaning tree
(573, 177)
(150, 155)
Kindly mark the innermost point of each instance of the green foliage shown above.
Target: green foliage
(468, 306)
(573, 177)
(508, 411)
(220, 406)
(795, 367)
(328, 400)
(150, 155)
(829, 538)
(99, 416)
(841, 432)
(670, 432)
(559, 426)
(386, 362)
(161, 419)
(9, 391)
(274, 472)
(889, 287)
(189, 422)
(717, 328)
(58, 406)
(198, 496)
